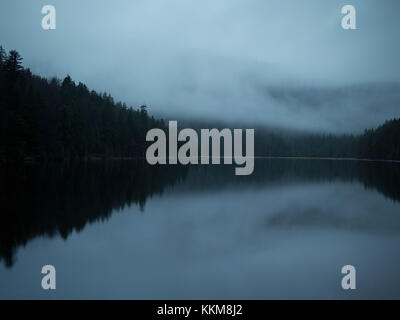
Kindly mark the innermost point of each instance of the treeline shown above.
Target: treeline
(382, 142)
(289, 144)
(55, 119)
(275, 142)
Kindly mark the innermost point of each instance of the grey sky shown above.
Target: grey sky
(221, 59)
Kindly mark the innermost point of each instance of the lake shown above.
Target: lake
(126, 230)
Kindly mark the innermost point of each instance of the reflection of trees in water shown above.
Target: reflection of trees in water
(51, 200)
(381, 176)
(58, 199)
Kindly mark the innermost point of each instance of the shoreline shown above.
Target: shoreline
(32, 160)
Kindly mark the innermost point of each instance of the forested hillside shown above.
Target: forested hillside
(382, 142)
(55, 119)
(59, 119)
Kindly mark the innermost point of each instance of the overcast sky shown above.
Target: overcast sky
(222, 59)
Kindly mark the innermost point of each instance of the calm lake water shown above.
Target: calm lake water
(131, 231)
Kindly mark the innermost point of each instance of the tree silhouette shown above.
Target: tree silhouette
(53, 119)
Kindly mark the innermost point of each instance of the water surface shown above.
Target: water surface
(131, 231)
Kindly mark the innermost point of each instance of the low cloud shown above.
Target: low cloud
(279, 62)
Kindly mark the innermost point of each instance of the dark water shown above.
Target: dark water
(127, 230)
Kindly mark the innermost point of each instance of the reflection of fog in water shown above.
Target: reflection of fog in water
(339, 206)
(284, 232)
